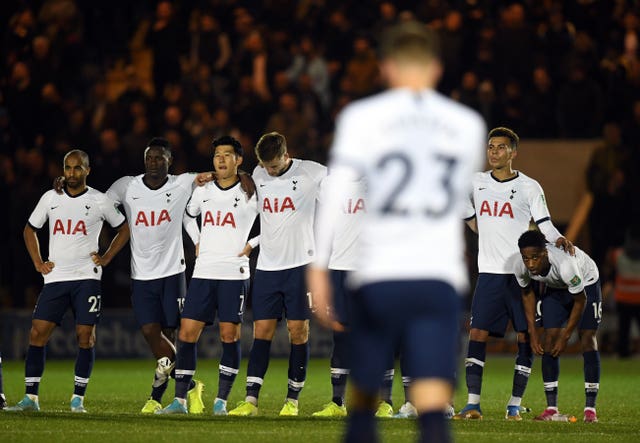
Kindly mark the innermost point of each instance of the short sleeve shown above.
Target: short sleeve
(118, 189)
(40, 214)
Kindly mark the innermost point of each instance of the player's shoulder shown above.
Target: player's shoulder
(528, 182)
(311, 167)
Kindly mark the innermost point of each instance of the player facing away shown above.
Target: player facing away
(342, 261)
(287, 189)
(71, 273)
(499, 209)
(155, 203)
(572, 299)
(220, 281)
(416, 150)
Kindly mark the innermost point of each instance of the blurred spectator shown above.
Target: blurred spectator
(580, 105)
(362, 68)
(309, 61)
(539, 106)
(107, 161)
(23, 103)
(288, 120)
(167, 42)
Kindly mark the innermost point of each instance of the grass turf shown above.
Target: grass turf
(119, 388)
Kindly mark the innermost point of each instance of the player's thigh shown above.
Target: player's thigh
(267, 299)
(491, 303)
(341, 296)
(173, 294)
(556, 307)
(370, 342)
(297, 300)
(201, 301)
(232, 297)
(592, 315)
(431, 333)
(53, 302)
(87, 301)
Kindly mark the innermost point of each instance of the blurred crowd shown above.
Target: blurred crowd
(106, 76)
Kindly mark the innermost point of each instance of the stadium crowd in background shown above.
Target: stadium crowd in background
(105, 76)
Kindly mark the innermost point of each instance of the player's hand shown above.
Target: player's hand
(246, 251)
(197, 249)
(58, 184)
(99, 260)
(559, 346)
(246, 183)
(565, 244)
(45, 267)
(204, 177)
(536, 346)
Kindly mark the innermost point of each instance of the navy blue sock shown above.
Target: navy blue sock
(474, 367)
(591, 377)
(550, 375)
(298, 362)
(522, 371)
(1, 385)
(386, 389)
(228, 368)
(185, 367)
(258, 364)
(33, 368)
(84, 366)
(433, 428)
(361, 427)
(339, 367)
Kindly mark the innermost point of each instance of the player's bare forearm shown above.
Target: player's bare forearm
(246, 251)
(118, 242)
(204, 177)
(33, 248)
(529, 304)
(319, 285)
(473, 224)
(580, 300)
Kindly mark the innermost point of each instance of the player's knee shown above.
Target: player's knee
(151, 331)
(298, 332)
(229, 333)
(38, 337)
(478, 335)
(188, 335)
(86, 339)
(588, 341)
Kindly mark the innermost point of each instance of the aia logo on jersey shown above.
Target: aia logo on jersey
(354, 206)
(218, 220)
(497, 210)
(59, 227)
(152, 218)
(276, 205)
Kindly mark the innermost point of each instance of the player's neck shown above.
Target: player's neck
(503, 173)
(76, 191)
(154, 182)
(228, 182)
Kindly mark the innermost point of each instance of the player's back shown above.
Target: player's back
(417, 152)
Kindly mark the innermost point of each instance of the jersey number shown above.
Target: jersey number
(597, 310)
(94, 300)
(390, 206)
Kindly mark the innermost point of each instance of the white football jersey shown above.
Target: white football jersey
(503, 211)
(226, 220)
(74, 227)
(417, 152)
(287, 206)
(344, 247)
(155, 220)
(571, 272)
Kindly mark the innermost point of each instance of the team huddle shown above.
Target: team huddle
(354, 243)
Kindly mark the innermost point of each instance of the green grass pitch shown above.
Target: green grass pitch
(118, 389)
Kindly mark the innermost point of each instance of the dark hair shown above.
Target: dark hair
(227, 140)
(270, 146)
(84, 157)
(532, 238)
(160, 142)
(409, 41)
(502, 131)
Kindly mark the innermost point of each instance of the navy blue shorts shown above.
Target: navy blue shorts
(83, 296)
(281, 292)
(420, 318)
(159, 300)
(341, 296)
(557, 305)
(496, 300)
(206, 297)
